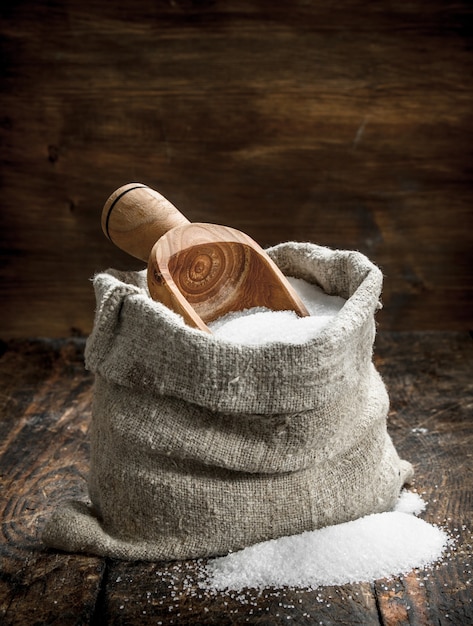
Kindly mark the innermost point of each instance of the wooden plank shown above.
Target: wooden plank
(355, 120)
(429, 379)
(43, 460)
(168, 594)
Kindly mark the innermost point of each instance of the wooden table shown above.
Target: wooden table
(45, 413)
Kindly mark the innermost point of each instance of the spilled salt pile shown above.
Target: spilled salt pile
(410, 502)
(377, 546)
(260, 325)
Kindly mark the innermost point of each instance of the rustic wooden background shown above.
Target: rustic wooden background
(349, 124)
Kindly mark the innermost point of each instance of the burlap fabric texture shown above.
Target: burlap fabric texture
(200, 447)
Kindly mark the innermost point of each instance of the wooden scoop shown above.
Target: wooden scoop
(201, 271)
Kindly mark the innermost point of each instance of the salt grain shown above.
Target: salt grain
(260, 325)
(378, 546)
(410, 502)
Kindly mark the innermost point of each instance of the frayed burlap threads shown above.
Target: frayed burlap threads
(199, 446)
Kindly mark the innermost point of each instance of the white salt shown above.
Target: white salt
(377, 546)
(410, 502)
(260, 325)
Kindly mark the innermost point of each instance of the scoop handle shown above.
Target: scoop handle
(135, 216)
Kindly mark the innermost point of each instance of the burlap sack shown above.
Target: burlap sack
(200, 447)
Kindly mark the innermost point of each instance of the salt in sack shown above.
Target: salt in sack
(200, 446)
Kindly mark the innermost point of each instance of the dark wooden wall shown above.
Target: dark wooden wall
(346, 123)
